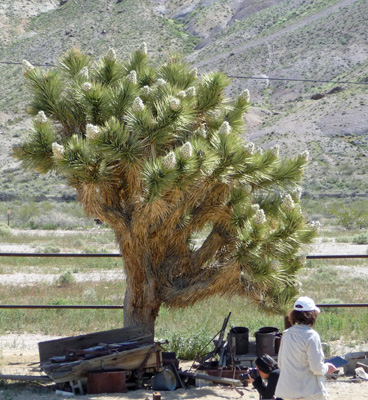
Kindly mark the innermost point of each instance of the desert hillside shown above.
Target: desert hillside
(310, 58)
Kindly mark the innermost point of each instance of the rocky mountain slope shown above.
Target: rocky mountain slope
(302, 40)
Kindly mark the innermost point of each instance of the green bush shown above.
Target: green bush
(361, 238)
(189, 345)
(66, 279)
(5, 231)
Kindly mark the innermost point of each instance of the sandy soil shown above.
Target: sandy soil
(19, 353)
(20, 357)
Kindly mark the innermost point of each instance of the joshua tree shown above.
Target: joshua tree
(157, 154)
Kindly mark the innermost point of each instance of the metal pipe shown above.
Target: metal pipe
(60, 306)
(311, 257)
(59, 255)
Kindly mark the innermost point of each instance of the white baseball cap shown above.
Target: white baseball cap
(305, 304)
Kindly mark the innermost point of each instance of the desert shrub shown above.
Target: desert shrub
(342, 239)
(65, 279)
(361, 238)
(189, 345)
(5, 231)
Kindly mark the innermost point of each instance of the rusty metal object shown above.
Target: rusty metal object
(106, 382)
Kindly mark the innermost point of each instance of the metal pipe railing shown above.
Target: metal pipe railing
(20, 306)
(310, 257)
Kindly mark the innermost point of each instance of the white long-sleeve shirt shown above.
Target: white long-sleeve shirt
(301, 362)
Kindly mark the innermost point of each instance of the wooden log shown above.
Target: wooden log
(30, 378)
(52, 348)
(127, 360)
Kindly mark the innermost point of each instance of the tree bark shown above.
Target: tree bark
(141, 304)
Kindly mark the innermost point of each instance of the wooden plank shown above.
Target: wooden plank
(217, 379)
(57, 347)
(36, 378)
(127, 360)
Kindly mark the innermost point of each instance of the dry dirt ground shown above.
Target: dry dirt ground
(19, 356)
(18, 360)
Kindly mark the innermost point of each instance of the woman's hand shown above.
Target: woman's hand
(331, 368)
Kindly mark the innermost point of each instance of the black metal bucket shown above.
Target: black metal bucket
(238, 339)
(267, 341)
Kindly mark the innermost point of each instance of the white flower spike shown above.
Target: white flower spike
(58, 151)
(305, 155)
(191, 91)
(259, 217)
(132, 77)
(84, 73)
(111, 55)
(169, 160)
(245, 95)
(138, 105)
(27, 66)
(288, 203)
(186, 150)
(250, 147)
(175, 104)
(143, 48)
(225, 128)
(41, 117)
(92, 131)
(161, 82)
(146, 91)
(86, 87)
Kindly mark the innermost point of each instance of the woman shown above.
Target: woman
(301, 357)
(267, 377)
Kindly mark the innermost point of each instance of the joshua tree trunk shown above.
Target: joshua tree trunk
(141, 302)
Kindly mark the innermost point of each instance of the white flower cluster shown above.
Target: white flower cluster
(27, 66)
(143, 48)
(132, 77)
(201, 131)
(191, 91)
(84, 73)
(275, 265)
(186, 150)
(182, 94)
(111, 55)
(58, 151)
(92, 131)
(194, 72)
(288, 203)
(255, 207)
(174, 104)
(259, 217)
(297, 193)
(225, 128)
(138, 105)
(305, 155)
(41, 117)
(249, 147)
(86, 87)
(260, 150)
(245, 95)
(275, 150)
(161, 82)
(146, 91)
(169, 160)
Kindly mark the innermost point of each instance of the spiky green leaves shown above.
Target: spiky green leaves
(36, 152)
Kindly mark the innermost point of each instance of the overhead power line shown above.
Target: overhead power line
(233, 76)
(295, 79)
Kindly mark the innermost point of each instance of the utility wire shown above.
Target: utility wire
(295, 80)
(233, 76)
